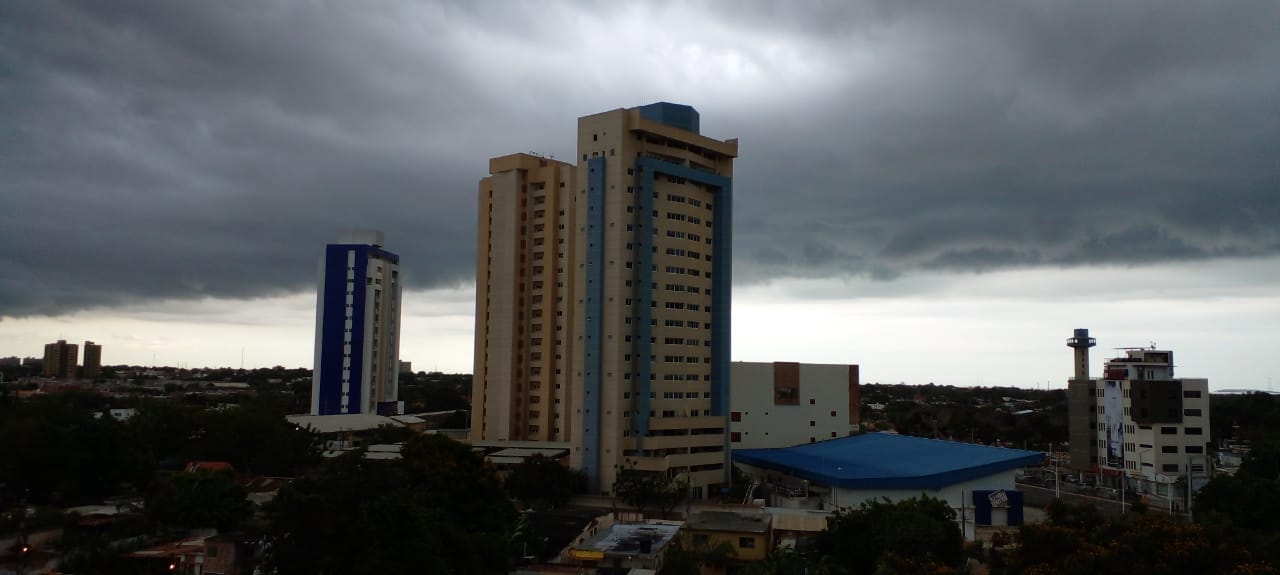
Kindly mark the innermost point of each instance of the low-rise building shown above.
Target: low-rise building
(622, 544)
(229, 554)
(748, 532)
(843, 473)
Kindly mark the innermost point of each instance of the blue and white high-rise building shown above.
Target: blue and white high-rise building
(357, 353)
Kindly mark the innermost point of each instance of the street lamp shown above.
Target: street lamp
(1057, 491)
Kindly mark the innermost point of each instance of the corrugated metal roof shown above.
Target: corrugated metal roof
(888, 461)
(742, 521)
(530, 452)
(803, 520)
(340, 423)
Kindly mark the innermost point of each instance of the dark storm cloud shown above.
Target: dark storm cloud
(186, 150)
(210, 149)
(1025, 135)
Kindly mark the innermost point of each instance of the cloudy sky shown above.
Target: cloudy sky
(938, 191)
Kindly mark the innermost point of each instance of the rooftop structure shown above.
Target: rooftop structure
(889, 461)
(738, 521)
(611, 543)
(341, 423)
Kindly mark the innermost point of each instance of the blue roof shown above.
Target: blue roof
(888, 461)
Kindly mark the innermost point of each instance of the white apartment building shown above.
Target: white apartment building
(357, 351)
(1152, 427)
(782, 404)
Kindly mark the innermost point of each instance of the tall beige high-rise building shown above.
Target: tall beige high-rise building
(92, 360)
(603, 298)
(61, 359)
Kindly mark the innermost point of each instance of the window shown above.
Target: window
(735, 416)
(1170, 468)
(1168, 431)
(1168, 449)
(746, 542)
(1194, 449)
(735, 437)
(1193, 431)
(1191, 394)
(1191, 412)
(700, 539)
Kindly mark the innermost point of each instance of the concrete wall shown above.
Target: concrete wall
(765, 412)
(954, 495)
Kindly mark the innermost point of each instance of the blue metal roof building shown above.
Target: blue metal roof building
(888, 461)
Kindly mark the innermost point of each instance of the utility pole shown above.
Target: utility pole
(1123, 486)
(1189, 480)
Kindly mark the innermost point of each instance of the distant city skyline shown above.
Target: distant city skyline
(935, 192)
(1022, 346)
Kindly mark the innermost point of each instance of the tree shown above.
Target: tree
(255, 437)
(883, 532)
(1264, 458)
(539, 481)
(649, 489)
(438, 509)
(55, 451)
(1248, 501)
(198, 499)
(1133, 544)
(781, 561)
(684, 558)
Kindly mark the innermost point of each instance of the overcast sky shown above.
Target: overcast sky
(937, 191)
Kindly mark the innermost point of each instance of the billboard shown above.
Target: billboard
(1113, 422)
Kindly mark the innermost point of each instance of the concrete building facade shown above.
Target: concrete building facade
(92, 360)
(1145, 427)
(782, 404)
(61, 359)
(1082, 415)
(603, 298)
(524, 318)
(846, 472)
(357, 350)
